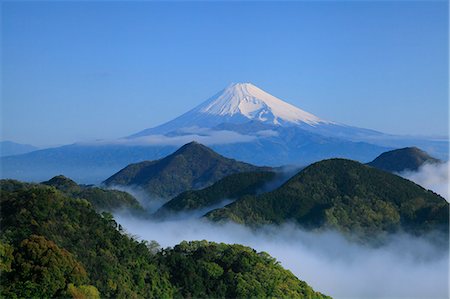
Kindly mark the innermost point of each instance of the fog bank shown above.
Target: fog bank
(407, 267)
(431, 176)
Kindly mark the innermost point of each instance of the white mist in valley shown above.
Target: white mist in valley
(406, 267)
(434, 177)
(150, 204)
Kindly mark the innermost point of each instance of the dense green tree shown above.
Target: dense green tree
(6, 257)
(101, 199)
(118, 266)
(203, 269)
(53, 245)
(42, 270)
(83, 292)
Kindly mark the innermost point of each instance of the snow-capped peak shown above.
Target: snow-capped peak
(245, 99)
(237, 104)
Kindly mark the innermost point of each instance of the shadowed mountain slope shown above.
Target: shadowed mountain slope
(346, 195)
(101, 199)
(408, 158)
(193, 166)
(228, 188)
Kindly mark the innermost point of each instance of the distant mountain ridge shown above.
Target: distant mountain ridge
(242, 122)
(193, 166)
(8, 148)
(409, 158)
(243, 104)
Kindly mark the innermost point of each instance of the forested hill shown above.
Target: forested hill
(101, 199)
(345, 195)
(229, 188)
(53, 245)
(193, 166)
(408, 158)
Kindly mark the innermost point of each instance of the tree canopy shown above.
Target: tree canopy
(54, 245)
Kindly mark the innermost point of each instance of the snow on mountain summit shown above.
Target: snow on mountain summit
(255, 104)
(237, 104)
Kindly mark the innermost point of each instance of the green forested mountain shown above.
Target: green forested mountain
(193, 166)
(210, 270)
(101, 199)
(53, 245)
(114, 264)
(408, 158)
(346, 195)
(230, 187)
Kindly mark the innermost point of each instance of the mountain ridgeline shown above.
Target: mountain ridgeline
(404, 159)
(229, 188)
(241, 121)
(193, 166)
(101, 199)
(45, 231)
(9, 148)
(356, 199)
(346, 195)
(55, 246)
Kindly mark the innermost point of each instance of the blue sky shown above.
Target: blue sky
(77, 71)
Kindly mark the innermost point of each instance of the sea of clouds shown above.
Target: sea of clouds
(405, 267)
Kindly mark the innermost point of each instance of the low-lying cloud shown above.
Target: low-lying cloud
(182, 136)
(204, 136)
(406, 267)
(150, 204)
(434, 177)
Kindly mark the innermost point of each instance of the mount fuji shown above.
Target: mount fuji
(242, 122)
(239, 103)
(253, 113)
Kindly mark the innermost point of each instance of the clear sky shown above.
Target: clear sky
(78, 71)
